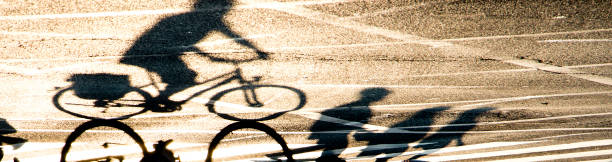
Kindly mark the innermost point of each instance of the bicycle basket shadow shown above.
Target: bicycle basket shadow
(100, 86)
(101, 96)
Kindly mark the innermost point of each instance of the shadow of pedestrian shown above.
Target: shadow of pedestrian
(348, 114)
(418, 123)
(5, 128)
(453, 131)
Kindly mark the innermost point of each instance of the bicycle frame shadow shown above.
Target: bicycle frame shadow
(103, 90)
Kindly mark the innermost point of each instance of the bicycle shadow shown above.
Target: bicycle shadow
(159, 51)
(16, 142)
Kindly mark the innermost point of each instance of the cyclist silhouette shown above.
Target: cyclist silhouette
(158, 50)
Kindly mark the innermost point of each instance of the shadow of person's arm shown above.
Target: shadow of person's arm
(239, 39)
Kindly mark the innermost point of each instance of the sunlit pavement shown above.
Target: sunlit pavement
(434, 81)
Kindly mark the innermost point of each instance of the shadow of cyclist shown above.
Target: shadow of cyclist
(158, 50)
(453, 131)
(356, 111)
(418, 123)
(5, 128)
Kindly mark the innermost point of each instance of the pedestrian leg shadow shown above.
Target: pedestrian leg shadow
(15, 142)
(414, 129)
(451, 132)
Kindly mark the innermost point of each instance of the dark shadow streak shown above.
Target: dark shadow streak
(454, 131)
(357, 111)
(254, 125)
(6, 128)
(423, 119)
(175, 35)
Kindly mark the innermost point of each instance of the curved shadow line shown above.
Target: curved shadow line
(57, 105)
(211, 102)
(98, 123)
(249, 124)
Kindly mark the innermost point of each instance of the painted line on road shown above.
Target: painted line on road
(521, 151)
(337, 21)
(507, 99)
(561, 136)
(350, 150)
(449, 149)
(391, 86)
(397, 9)
(30, 147)
(476, 72)
(589, 65)
(561, 156)
(574, 40)
(527, 35)
(68, 36)
(158, 12)
(524, 120)
(561, 70)
(95, 14)
(599, 160)
(520, 98)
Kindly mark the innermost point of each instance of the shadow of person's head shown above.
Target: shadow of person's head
(373, 94)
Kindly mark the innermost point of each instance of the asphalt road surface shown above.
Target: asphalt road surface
(442, 80)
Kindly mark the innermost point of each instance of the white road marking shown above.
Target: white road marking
(522, 120)
(561, 70)
(352, 150)
(486, 101)
(475, 72)
(155, 12)
(457, 50)
(338, 21)
(599, 160)
(528, 35)
(396, 9)
(560, 156)
(96, 153)
(450, 149)
(30, 147)
(19, 70)
(574, 40)
(521, 151)
(67, 36)
(561, 136)
(95, 14)
(390, 86)
(511, 99)
(589, 65)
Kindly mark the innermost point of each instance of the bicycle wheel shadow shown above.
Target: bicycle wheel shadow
(16, 142)
(269, 131)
